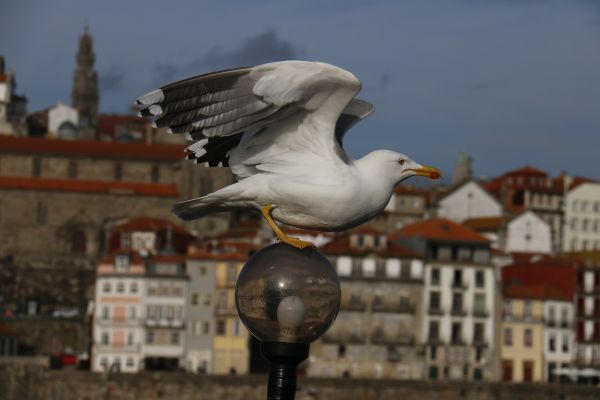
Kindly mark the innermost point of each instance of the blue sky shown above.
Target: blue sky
(511, 82)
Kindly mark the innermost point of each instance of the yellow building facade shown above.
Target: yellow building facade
(230, 343)
(522, 339)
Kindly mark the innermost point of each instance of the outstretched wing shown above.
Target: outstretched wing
(255, 118)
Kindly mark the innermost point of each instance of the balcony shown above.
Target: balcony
(164, 323)
(400, 307)
(117, 347)
(121, 322)
(344, 337)
(356, 305)
(480, 313)
(435, 311)
(459, 285)
(458, 312)
(224, 310)
(479, 342)
(385, 338)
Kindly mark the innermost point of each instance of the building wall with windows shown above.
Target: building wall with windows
(377, 330)
(230, 343)
(118, 330)
(201, 314)
(522, 339)
(581, 230)
(587, 305)
(559, 337)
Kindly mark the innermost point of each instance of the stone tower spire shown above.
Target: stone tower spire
(85, 86)
(462, 171)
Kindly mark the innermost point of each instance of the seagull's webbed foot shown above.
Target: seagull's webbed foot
(295, 242)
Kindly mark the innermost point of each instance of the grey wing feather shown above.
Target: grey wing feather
(355, 111)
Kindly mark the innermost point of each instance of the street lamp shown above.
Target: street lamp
(287, 298)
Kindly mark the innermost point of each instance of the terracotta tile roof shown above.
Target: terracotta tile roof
(149, 224)
(134, 257)
(534, 292)
(554, 272)
(170, 258)
(441, 229)
(91, 148)
(525, 170)
(341, 246)
(484, 223)
(80, 186)
(3, 77)
(410, 190)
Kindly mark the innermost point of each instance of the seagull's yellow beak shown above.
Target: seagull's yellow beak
(430, 172)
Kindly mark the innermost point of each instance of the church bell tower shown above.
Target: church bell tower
(85, 87)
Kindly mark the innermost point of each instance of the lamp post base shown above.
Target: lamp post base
(284, 359)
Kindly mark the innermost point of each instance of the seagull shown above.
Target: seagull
(279, 128)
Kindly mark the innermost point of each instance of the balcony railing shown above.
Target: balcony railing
(344, 337)
(404, 308)
(480, 313)
(458, 311)
(225, 310)
(436, 311)
(118, 321)
(164, 323)
(118, 347)
(353, 305)
(402, 339)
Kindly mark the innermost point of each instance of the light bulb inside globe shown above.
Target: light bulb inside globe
(290, 314)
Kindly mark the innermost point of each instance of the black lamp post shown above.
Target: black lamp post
(287, 298)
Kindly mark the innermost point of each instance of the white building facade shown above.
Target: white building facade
(581, 230)
(469, 200)
(528, 233)
(559, 337)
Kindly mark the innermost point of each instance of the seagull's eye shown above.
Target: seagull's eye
(401, 161)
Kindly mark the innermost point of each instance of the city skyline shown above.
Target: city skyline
(509, 82)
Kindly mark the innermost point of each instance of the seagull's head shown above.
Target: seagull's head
(400, 167)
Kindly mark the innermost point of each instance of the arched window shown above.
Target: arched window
(67, 130)
(78, 242)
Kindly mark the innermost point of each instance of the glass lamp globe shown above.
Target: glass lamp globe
(285, 294)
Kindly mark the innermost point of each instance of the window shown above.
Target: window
(105, 312)
(551, 314)
(129, 363)
(106, 287)
(368, 268)
(220, 327)
(174, 337)
(434, 331)
(565, 343)
(479, 304)
(155, 174)
(528, 338)
(456, 333)
(41, 213)
(435, 276)
(392, 268)
(78, 242)
(479, 279)
(478, 332)
(122, 263)
(444, 253)
(552, 343)
(508, 337)
(207, 299)
(344, 266)
(170, 312)
(195, 298)
(236, 327)
(433, 372)
(341, 351)
(132, 313)
(457, 302)
(574, 224)
(104, 362)
(149, 337)
(231, 273)
(104, 339)
(433, 352)
(73, 169)
(206, 327)
(120, 287)
(457, 278)
(527, 309)
(37, 167)
(434, 301)
(130, 338)
(507, 308)
(118, 172)
(133, 288)
(202, 271)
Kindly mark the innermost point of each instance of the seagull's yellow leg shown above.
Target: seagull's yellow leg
(300, 244)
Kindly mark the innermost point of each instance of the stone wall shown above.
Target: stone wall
(25, 382)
